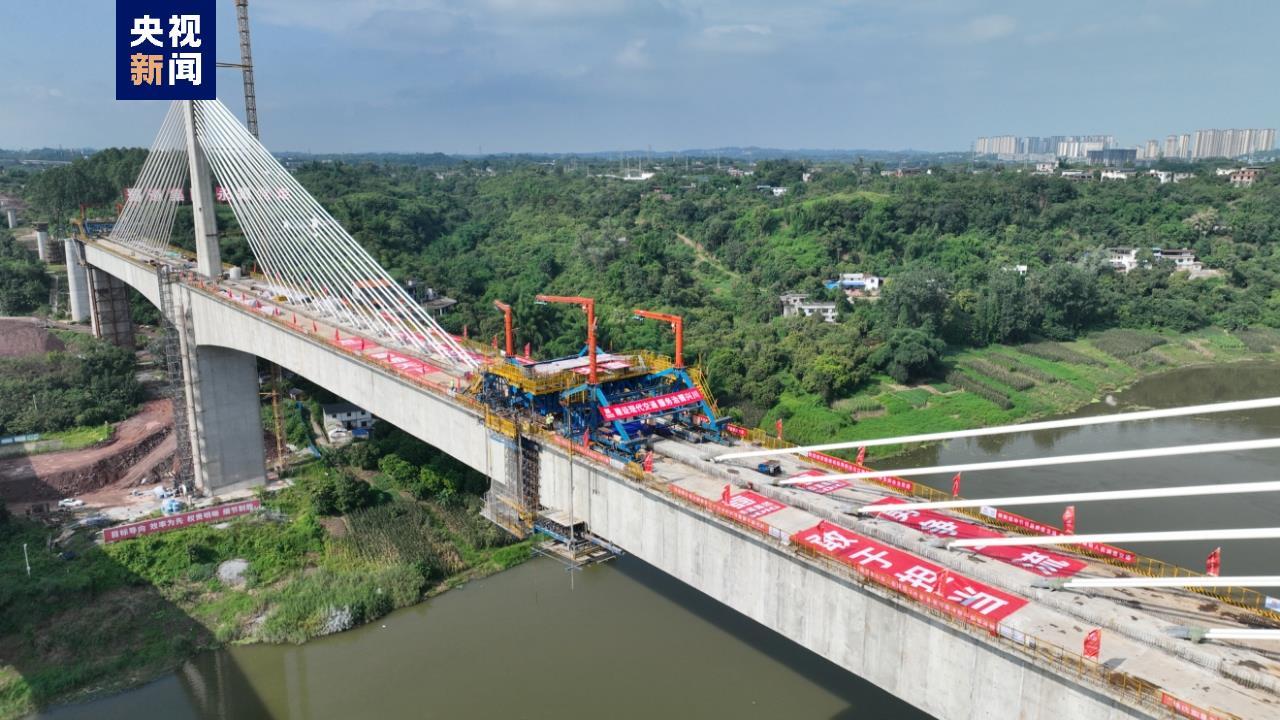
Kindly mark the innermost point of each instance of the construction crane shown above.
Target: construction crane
(588, 304)
(677, 326)
(246, 67)
(506, 324)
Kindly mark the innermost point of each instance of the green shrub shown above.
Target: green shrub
(1058, 352)
(1022, 368)
(1258, 339)
(999, 374)
(1121, 343)
(980, 389)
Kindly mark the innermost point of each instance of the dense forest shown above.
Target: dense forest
(721, 249)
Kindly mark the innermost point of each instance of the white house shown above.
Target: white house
(1183, 259)
(347, 416)
(1123, 259)
(796, 304)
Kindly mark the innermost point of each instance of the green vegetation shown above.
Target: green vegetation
(24, 285)
(128, 611)
(1125, 343)
(89, 384)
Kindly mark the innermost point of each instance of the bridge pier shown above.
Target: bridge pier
(12, 216)
(221, 387)
(77, 280)
(109, 309)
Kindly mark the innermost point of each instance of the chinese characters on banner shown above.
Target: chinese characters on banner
(822, 487)
(1069, 520)
(646, 406)
(954, 593)
(1038, 562)
(1125, 556)
(1186, 709)
(165, 50)
(751, 504)
(171, 195)
(181, 520)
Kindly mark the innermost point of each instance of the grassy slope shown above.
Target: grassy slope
(118, 616)
(925, 409)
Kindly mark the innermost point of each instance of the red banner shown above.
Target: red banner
(836, 463)
(645, 406)
(822, 487)
(1186, 709)
(1093, 643)
(1069, 520)
(1125, 556)
(1033, 560)
(955, 486)
(181, 520)
(720, 508)
(948, 591)
(752, 505)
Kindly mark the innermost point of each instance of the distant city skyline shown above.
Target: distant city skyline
(553, 76)
(1202, 144)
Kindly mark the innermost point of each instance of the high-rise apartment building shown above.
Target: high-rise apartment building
(1232, 142)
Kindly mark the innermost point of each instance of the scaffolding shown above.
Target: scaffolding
(514, 504)
(170, 316)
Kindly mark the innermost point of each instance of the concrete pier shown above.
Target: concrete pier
(77, 281)
(226, 428)
(109, 309)
(42, 241)
(12, 216)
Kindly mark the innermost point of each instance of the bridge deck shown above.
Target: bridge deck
(1135, 640)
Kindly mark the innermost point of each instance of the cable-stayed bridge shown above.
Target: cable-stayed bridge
(991, 631)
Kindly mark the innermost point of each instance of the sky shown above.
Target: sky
(599, 75)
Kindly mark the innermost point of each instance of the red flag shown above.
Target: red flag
(955, 486)
(862, 455)
(944, 578)
(335, 334)
(495, 342)
(464, 332)
(586, 438)
(777, 425)
(528, 347)
(1213, 564)
(1069, 520)
(648, 461)
(1093, 643)
(724, 494)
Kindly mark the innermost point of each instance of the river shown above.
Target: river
(622, 640)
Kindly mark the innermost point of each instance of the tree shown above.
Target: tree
(916, 299)
(398, 471)
(909, 353)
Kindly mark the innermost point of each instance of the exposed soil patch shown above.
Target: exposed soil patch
(24, 336)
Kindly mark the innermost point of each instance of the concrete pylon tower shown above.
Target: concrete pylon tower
(208, 254)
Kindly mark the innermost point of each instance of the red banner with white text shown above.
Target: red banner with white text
(646, 406)
(1031, 559)
(1115, 553)
(181, 520)
(948, 591)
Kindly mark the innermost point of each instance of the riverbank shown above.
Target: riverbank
(94, 620)
(1001, 384)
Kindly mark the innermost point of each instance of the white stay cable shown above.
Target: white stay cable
(1236, 406)
(1056, 460)
(1076, 497)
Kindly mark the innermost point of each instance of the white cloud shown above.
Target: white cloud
(633, 54)
(987, 28)
(742, 38)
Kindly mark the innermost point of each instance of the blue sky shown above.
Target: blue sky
(586, 75)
